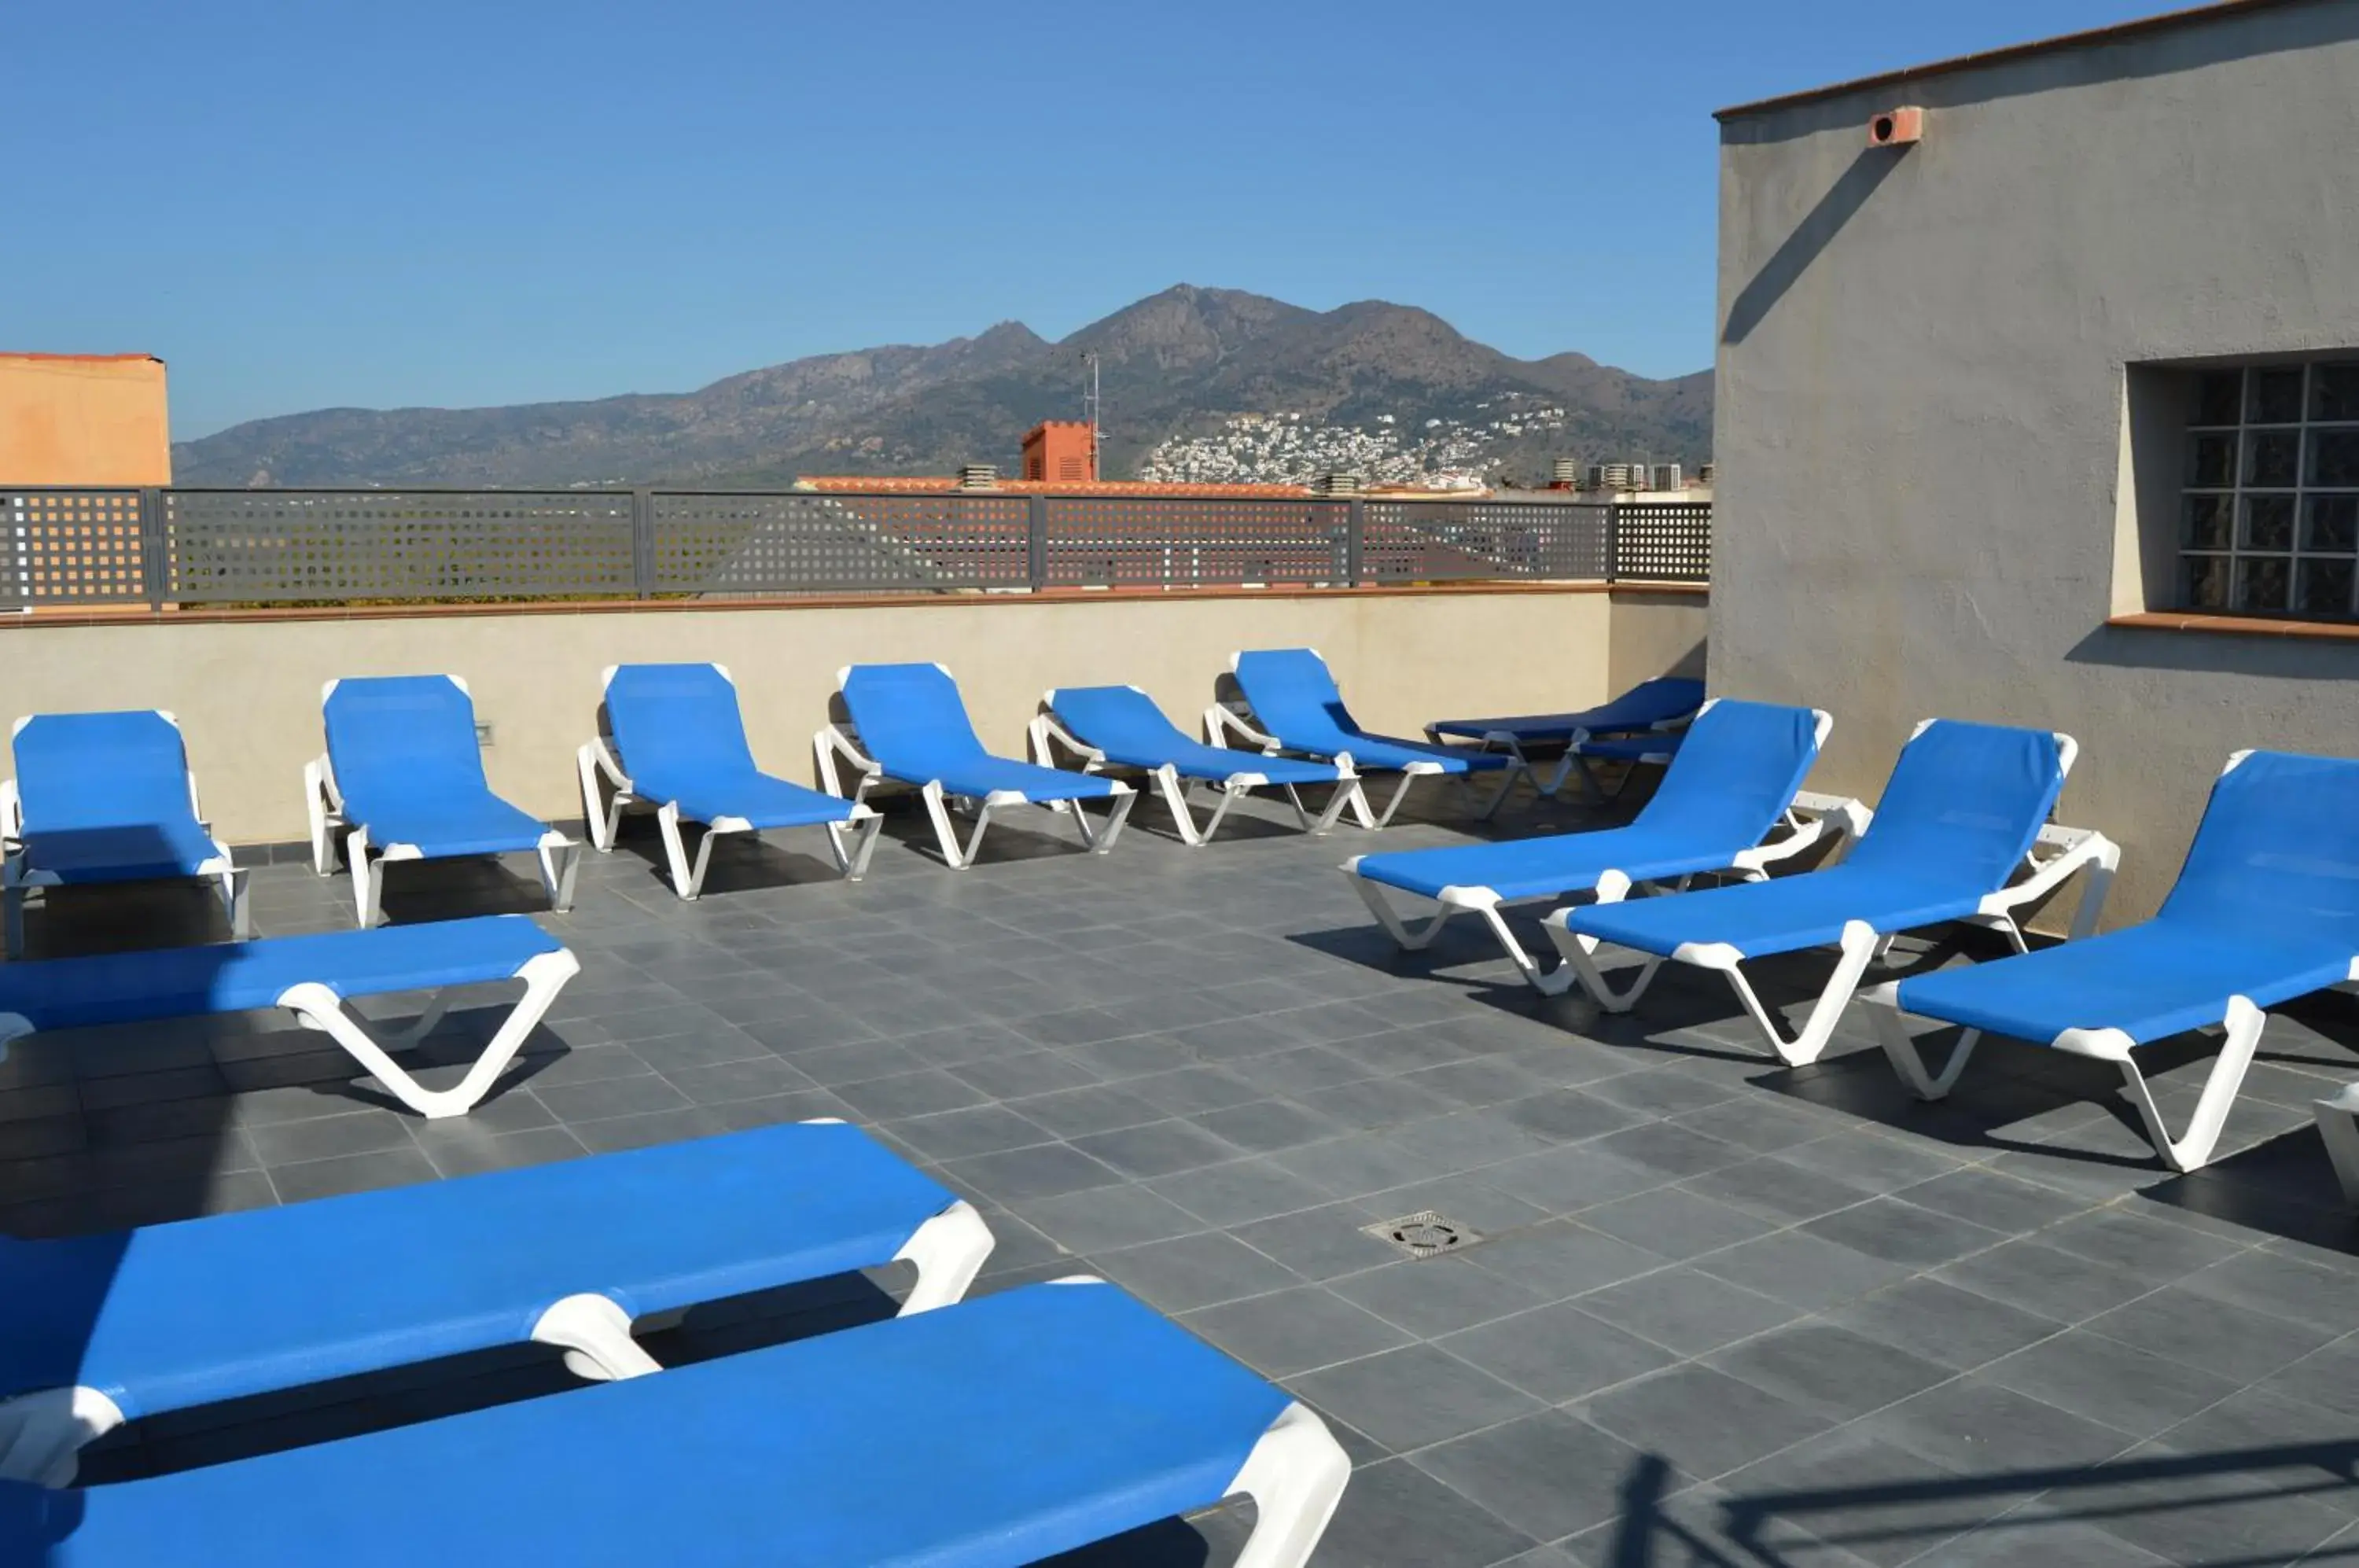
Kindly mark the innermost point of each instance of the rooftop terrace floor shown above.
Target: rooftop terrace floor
(1723, 1312)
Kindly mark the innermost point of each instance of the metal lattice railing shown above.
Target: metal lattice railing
(97, 547)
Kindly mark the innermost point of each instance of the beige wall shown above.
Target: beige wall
(1921, 401)
(83, 420)
(247, 693)
(1656, 633)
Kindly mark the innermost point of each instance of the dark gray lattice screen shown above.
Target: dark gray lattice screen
(966, 541)
(1194, 541)
(1664, 542)
(1436, 541)
(772, 543)
(72, 547)
(262, 546)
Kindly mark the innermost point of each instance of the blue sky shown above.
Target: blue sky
(301, 205)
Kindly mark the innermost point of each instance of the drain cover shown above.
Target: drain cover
(1424, 1233)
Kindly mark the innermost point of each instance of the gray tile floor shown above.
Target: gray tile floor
(1723, 1312)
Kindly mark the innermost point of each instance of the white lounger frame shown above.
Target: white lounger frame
(841, 742)
(1827, 814)
(42, 1433)
(16, 880)
(1224, 725)
(1553, 787)
(851, 844)
(317, 1005)
(2241, 1024)
(558, 856)
(1048, 734)
(2056, 855)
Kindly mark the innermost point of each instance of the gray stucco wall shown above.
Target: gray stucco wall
(1924, 504)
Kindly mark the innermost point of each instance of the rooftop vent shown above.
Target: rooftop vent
(1335, 482)
(978, 476)
(1565, 472)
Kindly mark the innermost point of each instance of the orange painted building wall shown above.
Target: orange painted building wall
(71, 419)
(1061, 451)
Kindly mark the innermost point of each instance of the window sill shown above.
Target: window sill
(2239, 625)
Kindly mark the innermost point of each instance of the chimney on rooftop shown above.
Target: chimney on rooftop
(978, 476)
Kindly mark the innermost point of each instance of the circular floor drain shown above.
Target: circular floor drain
(1424, 1233)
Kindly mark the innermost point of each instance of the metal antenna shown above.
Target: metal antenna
(1091, 407)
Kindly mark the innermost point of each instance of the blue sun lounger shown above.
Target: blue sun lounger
(1737, 782)
(1297, 708)
(989, 1435)
(1120, 726)
(1964, 813)
(403, 777)
(312, 977)
(103, 797)
(2266, 909)
(681, 739)
(98, 1329)
(908, 723)
(1643, 724)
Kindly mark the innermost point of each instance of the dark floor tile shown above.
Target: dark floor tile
(1703, 1421)
(1295, 1331)
(1072, 1113)
(333, 1177)
(1014, 1175)
(1989, 1199)
(1190, 1271)
(2038, 1278)
(1671, 1150)
(581, 1103)
(1322, 1242)
(1564, 1257)
(1955, 1327)
(472, 1155)
(1434, 1295)
(1673, 1222)
(2107, 1381)
(1267, 1126)
(1557, 1352)
(1548, 1475)
(910, 1094)
(1800, 1269)
(1686, 1309)
(1567, 1180)
(610, 1134)
(1902, 1232)
(352, 1133)
(1241, 1191)
(1978, 1427)
(1833, 1370)
(1568, 1115)
(1408, 1397)
(750, 1079)
(1030, 1072)
(1775, 1190)
(979, 1129)
(1396, 1516)
(2282, 1287)
(2180, 1324)
(1373, 1103)
(2202, 1508)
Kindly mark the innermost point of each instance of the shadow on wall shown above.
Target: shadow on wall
(1785, 268)
(2252, 656)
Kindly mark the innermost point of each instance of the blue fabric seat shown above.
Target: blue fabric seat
(909, 724)
(1651, 704)
(985, 1435)
(173, 1316)
(404, 773)
(313, 978)
(102, 798)
(1959, 818)
(2266, 909)
(1298, 706)
(680, 736)
(1724, 797)
(1121, 726)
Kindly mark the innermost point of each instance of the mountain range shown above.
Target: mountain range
(1175, 364)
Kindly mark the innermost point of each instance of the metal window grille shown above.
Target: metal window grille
(2269, 507)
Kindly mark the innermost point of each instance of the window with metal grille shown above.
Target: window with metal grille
(2269, 505)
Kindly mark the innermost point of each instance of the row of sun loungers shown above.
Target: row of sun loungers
(996, 1433)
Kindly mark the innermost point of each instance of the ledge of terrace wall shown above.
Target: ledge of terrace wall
(245, 684)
